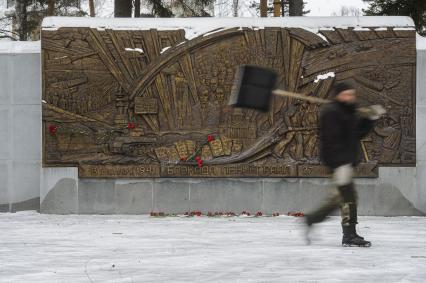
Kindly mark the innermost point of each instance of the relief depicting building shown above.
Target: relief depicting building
(142, 103)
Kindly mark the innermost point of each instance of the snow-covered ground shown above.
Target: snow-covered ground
(118, 248)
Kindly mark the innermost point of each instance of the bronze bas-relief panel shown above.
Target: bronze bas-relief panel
(119, 104)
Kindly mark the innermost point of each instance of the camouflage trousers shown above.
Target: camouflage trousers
(344, 197)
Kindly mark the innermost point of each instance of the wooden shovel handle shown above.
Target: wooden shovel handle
(367, 112)
(313, 99)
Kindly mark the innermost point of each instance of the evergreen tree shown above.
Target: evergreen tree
(416, 9)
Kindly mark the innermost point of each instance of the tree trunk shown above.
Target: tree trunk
(263, 8)
(92, 8)
(123, 8)
(137, 8)
(235, 8)
(21, 19)
(277, 8)
(296, 7)
(50, 7)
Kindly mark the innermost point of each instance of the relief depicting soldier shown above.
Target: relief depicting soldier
(341, 129)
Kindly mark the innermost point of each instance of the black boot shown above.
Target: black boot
(351, 238)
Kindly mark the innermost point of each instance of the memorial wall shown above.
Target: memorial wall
(150, 102)
(135, 116)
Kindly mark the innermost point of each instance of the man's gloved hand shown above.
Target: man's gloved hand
(372, 112)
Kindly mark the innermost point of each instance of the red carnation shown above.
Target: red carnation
(131, 125)
(53, 129)
(200, 163)
(210, 138)
(197, 158)
(296, 214)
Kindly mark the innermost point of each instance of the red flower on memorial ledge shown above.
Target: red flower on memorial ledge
(210, 138)
(131, 125)
(53, 129)
(200, 163)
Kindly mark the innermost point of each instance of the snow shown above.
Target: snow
(198, 26)
(324, 76)
(165, 49)
(420, 42)
(134, 50)
(20, 47)
(117, 248)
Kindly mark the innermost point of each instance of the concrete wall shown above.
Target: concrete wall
(20, 128)
(25, 185)
(420, 195)
(67, 194)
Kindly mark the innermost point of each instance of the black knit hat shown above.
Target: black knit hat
(342, 86)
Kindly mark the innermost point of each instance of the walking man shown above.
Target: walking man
(341, 129)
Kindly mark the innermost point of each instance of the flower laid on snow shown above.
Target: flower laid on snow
(196, 213)
(53, 129)
(296, 214)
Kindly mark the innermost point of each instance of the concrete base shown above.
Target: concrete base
(384, 196)
(31, 204)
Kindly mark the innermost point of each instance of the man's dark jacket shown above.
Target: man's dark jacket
(341, 130)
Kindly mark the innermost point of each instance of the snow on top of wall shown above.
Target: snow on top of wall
(420, 42)
(196, 26)
(20, 47)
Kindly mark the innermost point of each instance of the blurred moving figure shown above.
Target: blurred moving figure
(342, 127)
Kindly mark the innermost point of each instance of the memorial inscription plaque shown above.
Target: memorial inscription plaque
(149, 103)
